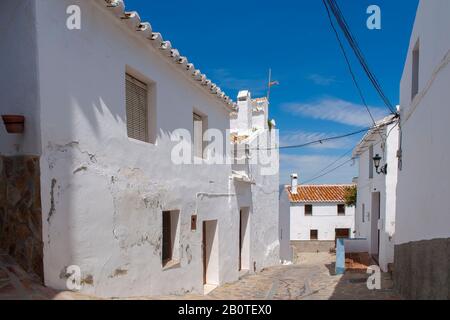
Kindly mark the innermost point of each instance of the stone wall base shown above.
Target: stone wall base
(312, 246)
(20, 212)
(422, 269)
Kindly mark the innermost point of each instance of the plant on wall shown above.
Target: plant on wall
(350, 196)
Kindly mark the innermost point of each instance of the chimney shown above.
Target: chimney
(244, 122)
(294, 183)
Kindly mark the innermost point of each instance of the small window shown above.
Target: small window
(308, 210)
(415, 71)
(199, 125)
(371, 162)
(363, 209)
(313, 234)
(341, 209)
(169, 235)
(137, 109)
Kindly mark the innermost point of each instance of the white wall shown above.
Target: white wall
(19, 80)
(260, 114)
(423, 183)
(102, 193)
(324, 218)
(386, 186)
(285, 226)
(261, 196)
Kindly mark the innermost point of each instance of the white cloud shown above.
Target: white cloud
(337, 110)
(289, 138)
(226, 80)
(322, 80)
(308, 165)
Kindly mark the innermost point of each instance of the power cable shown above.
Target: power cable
(333, 163)
(356, 49)
(328, 172)
(341, 45)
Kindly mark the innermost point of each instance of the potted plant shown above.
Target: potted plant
(14, 123)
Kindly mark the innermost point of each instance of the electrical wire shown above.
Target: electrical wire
(356, 49)
(333, 163)
(319, 175)
(347, 60)
(328, 172)
(321, 141)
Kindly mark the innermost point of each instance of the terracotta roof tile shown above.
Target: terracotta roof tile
(318, 193)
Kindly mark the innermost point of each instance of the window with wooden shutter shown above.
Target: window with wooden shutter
(313, 234)
(137, 109)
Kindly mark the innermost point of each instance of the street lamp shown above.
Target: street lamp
(376, 161)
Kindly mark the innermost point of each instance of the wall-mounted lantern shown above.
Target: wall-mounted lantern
(376, 162)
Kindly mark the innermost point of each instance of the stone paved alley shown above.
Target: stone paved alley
(310, 278)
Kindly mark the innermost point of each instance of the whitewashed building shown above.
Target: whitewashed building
(313, 216)
(376, 189)
(422, 233)
(102, 107)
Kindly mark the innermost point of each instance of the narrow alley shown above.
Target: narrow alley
(310, 278)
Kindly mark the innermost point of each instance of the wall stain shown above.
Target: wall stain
(188, 254)
(119, 273)
(89, 280)
(52, 200)
(82, 168)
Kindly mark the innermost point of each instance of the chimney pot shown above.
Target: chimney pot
(294, 183)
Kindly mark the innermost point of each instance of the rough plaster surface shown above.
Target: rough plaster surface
(422, 269)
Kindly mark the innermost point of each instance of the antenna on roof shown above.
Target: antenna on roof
(270, 84)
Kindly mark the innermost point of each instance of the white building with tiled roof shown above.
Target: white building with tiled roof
(103, 96)
(313, 216)
(375, 208)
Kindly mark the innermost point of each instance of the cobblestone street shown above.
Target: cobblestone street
(311, 278)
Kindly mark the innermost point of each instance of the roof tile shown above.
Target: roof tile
(318, 193)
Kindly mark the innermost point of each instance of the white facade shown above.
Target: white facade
(375, 209)
(324, 219)
(423, 204)
(103, 193)
(422, 234)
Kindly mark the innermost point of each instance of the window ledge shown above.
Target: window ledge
(171, 264)
(141, 142)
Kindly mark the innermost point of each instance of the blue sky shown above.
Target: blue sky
(235, 43)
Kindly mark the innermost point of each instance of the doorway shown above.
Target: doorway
(375, 232)
(244, 239)
(210, 246)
